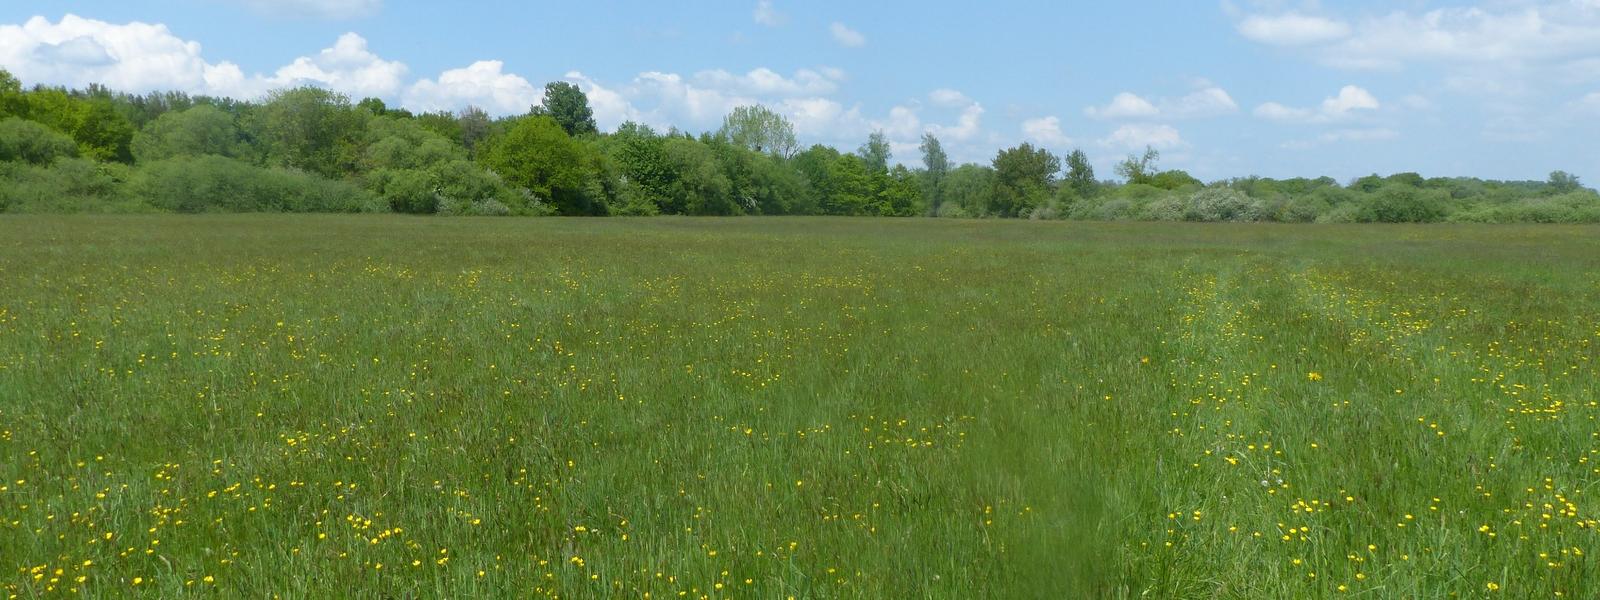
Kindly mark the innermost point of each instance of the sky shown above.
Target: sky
(1506, 89)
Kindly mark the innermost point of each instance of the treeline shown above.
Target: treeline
(312, 150)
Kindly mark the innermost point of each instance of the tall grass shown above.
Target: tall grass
(318, 406)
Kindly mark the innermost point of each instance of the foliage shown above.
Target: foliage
(1025, 177)
(759, 129)
(567, 104)
(219, 184)
(537, 154)
(26, 141)
(193, 132)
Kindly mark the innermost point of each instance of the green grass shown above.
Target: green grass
(248, 406)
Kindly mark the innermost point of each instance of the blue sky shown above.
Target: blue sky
(1497, 88)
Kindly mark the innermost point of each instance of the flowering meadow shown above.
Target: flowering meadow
(258, 406)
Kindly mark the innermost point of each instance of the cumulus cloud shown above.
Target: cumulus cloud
(1208, 101)
(137, 57)
(1344, 135)
(1349, 101)
(766, 14)
(347, 67)
(1137, 136)
(319, 9)
(1528, 32)
(141, 57)
(764, 81)
(949, 98)
(1292, 29)
(1045, 131)
(483, 84)
(1124, 105)
(846, 36)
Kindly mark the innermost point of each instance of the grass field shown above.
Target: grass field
(306, 407)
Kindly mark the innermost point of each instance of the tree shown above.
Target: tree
(876, 152)
(311, 129)
(475, 126)
(1563, 182)
(566, 103)
(1080, 175)
(1024, 177)
(760, 129)
(935, 164)
(26, 141)
(538, 155)
(1139, 169)
(194, 132)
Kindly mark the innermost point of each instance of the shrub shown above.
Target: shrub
(1221, 204)
(218, 184)
(67, 185)
(35, 143)
(1403, 203)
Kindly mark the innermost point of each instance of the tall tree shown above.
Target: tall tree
(1080, 174)
(760, 129)
(475, 125)
(876, 152)
(1139, 169)
(1024, 178)
(1563, 182)
(935, 164)
(197, 131)
(311, 129)
(536, 154)
(568, 105)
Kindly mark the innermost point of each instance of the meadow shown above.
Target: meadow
(258, 406)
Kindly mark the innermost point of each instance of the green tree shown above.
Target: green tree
(1563, 182)
(537, 154)
(759, 129)
(22, 140)
(311, 129)
(876, 152)
(193, 132)
(475, 126)
(935, 165)
(569, 106)
(1024, 179)
(1139, 169)
(1080, 175)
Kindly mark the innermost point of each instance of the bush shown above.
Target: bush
(26, 141)
(218, 184)
(1221, 204)
(1403, 203)
(65, 186)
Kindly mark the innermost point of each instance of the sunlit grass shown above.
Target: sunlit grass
(376, 406)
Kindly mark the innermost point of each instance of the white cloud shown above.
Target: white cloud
(1137, 136)
(1277, 112)
(766, 14)
(1520, 32)
(902, 123)
(1046, 131)
(764, 81)
(967, 126)
(611, 107)
(949, 98)
(141, 57)
(1344, 135)
(321, 9)
(1208, 101)
(846, 36)
(1125, 105)
(1292, 29)
(347, 67)
(1350, 101)
(1590, 102)
(483, 84)
(135, 57)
